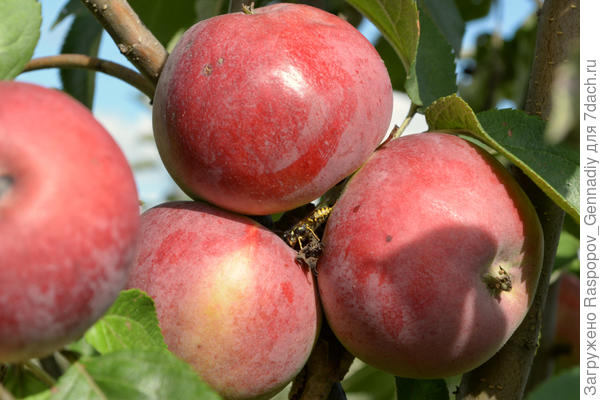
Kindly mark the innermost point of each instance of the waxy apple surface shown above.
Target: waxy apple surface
(69, 216)
(265, 112)
(230, 298)
(413, 250)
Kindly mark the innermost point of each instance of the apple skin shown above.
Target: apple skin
(406, 249)
(230, 299)
(262, 113)
(70, 216)
(567, 321)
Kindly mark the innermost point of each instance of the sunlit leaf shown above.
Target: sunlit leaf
(130, 323)
(129, 375)
(398, 21)
(20, 22)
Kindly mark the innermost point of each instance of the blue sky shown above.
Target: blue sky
(118, 107)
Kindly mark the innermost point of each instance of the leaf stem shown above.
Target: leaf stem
(133, 39)
(39, 373)
(86, 62)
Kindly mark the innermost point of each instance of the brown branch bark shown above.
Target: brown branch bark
(134, 40)
(328, 363)
(86, 62)
(505, 375)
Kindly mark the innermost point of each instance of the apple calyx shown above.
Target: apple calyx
(498, 281)
(6, 182)
(248, 9)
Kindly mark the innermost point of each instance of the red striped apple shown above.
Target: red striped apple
(431, 260)
(263, 112)
(230, 298)
(69, 216)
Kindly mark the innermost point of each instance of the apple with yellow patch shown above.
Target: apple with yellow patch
(230, 298)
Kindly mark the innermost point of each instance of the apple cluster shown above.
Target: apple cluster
(430, 258)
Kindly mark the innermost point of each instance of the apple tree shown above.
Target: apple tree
(314, 255)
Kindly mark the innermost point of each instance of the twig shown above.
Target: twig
(86, 62)
(134, 40)
(39, 373)
(507, 372)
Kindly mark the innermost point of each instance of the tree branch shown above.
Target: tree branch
(327, 364)
(133, 39)
(505, 375)
(86, 62)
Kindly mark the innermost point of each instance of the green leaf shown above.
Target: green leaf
(421, 389)
(447, 19)
(397, 20)
(129, 375)
(83, 38)
(432, 75)
(369, 383)
(130, 323)
(520, 138)
(567, 253)
(391, 60)
(20, 22)
(564, 386)
(473, 9)
(165, 18)
(20, 382)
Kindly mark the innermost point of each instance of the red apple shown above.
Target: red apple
(69, 216)
(262, 113)
(230, 298)
(432, 256)
(567, 322)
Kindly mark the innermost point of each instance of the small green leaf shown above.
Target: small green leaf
(520, 138)
(398, 21)
(20, 22)
(564, 386)
(421, 389)
(432, 73)
(447, 19)
(129, 375)
(83, 38)
(130, 323)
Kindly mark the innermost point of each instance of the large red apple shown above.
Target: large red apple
(261, 113)
(432, 256)
(230, 298)
(69, 216)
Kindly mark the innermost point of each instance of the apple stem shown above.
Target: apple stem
(397, 131)
(409, 116)
(39, 373)
(6, 182)
(86, 62)
(248, 9)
